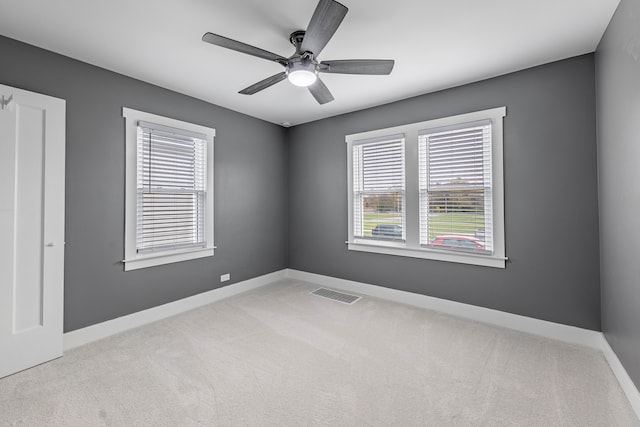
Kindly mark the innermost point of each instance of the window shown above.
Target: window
(378, 189)
(455, 188)
(430, 190)
(169, 190)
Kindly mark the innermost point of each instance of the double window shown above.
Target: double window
(169, 197)
(430, 190)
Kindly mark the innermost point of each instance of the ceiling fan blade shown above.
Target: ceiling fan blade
(324, 23)
(242, 47)
(263, 84)
(358, 66)
(320, 92)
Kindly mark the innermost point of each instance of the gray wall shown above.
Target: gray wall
(281, 194)
(250, 187)
(618, 113)
(550, 197)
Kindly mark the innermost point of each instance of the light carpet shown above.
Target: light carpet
(279, 356)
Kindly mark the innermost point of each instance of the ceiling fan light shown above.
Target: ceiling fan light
(302, 77)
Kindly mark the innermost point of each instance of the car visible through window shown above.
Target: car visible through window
(387, 231)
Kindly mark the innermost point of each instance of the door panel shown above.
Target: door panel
(32, 143)
(28, 243)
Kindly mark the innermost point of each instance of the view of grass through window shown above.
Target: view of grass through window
(440, 223)
(383, 218)
(383, 215)
(465, 224)
(454, 213)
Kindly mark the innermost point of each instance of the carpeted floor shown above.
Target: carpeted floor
(279, 356)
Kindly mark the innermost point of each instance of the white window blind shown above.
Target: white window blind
(455, 167)
(171, 188)
(379, 189)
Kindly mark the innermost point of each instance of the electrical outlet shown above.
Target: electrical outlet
(225, 277)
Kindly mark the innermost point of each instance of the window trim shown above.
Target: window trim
(133, 260)
(412, 248)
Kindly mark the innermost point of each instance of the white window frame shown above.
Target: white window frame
(411, 247)
(133, 260)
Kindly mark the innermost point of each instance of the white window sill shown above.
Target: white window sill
(150, 260)
(401, 250)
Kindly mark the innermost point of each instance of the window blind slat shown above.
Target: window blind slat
(158, 129)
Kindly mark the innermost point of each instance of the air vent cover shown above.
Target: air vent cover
(336, 296)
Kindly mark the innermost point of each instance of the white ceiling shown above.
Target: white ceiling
(436, 44)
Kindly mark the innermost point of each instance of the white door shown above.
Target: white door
(32, 144)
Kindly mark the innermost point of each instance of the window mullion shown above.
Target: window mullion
(412, 199)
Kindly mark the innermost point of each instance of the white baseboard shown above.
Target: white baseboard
(102, 330)
(570, 334)
(623, 377)
(565, 333)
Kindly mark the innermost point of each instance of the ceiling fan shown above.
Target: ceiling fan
(302, 67)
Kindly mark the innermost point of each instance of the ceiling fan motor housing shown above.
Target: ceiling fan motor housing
(302, 70)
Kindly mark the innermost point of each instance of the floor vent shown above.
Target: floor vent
(336, 296)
